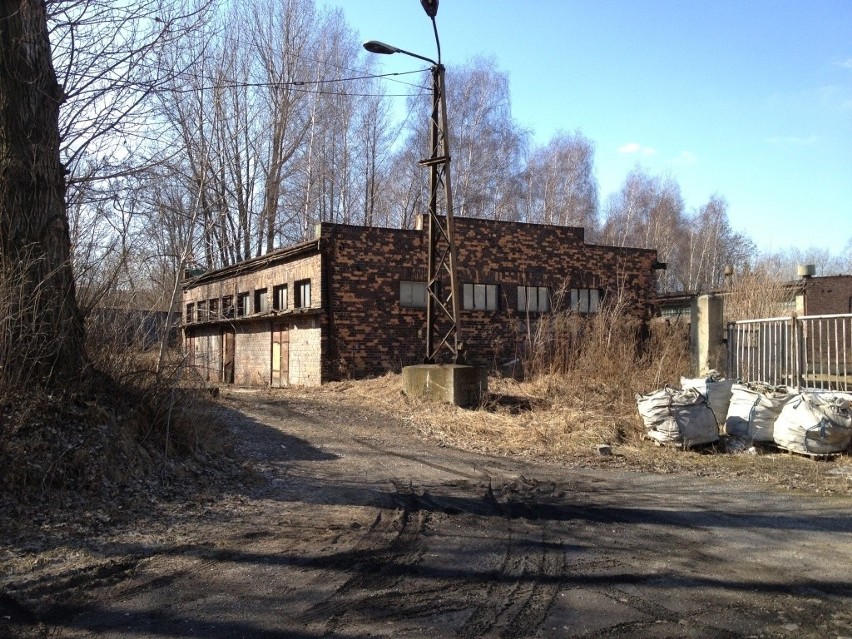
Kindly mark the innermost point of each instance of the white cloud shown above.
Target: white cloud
(635, 147)
(846, 64)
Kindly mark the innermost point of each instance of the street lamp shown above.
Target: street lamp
(374, 46)
(440, 305)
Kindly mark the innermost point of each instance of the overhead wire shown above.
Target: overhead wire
(294, 83)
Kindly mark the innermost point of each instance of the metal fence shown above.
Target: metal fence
(813, 351)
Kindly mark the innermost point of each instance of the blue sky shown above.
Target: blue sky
(751, 99)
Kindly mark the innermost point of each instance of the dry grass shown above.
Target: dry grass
(581, 394)
(529, 419)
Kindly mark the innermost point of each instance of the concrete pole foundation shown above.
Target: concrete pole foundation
(456, 384)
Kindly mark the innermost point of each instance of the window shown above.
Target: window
(412, 294)
(480, 297)
(243, 304)
(533, 299)
(303, 294)
(279, 297)
(214, 309)
(189, 310)
(260, 301)
(202, 310)
(585, 300)
(228, 306)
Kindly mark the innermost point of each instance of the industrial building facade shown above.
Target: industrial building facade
(351, 302)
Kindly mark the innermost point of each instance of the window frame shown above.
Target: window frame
(490, 293)
(407, 290)
(189, 316)
(300, 287)
(276, 297)
(586, 301)
(542, 299)
(261, 300)
(243, 306)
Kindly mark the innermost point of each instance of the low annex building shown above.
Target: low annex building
(351, 302)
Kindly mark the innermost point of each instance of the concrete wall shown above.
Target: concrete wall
(307, 267)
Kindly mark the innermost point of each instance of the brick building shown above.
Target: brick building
(351, 302)
(825, 295)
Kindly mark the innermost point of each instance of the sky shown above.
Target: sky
(748, 99)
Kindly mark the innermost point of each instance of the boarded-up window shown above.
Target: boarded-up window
(412, 294)
(585, 300)
(533, 299)
(480, 297)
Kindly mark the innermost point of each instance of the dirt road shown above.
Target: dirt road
(356, 527)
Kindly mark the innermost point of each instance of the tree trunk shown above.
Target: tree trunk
(41, 329)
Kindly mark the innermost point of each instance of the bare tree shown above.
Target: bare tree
(488, 147)
(648, 213)
(561, 186)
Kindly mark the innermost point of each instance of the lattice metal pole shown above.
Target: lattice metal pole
(443, 326)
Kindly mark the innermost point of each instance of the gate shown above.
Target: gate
(812, 351)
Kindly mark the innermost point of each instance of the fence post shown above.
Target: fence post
(798, 340)
(708, 335)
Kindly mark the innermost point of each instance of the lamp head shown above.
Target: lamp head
(374, 46)
(430, 7)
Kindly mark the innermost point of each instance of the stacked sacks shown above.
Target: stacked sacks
(716, 389)
(674, 416)
(753, 410)
(815, 423)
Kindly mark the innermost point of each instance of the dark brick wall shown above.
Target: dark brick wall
(369, 332)
(828, 295)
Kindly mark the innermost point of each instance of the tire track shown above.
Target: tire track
(528, 578)
(380, 561)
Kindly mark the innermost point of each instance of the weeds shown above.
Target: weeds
(124, 425)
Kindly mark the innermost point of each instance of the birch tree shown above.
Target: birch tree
(561, 186)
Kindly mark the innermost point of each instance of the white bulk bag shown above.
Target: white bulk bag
(716, 389)
(754, 409)
(673, 416)
(815, 422)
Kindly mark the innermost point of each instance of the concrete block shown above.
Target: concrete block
(452, 383)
